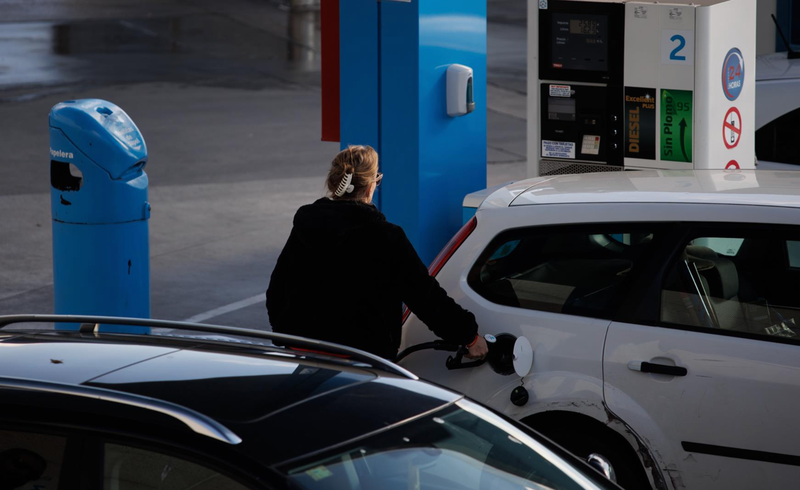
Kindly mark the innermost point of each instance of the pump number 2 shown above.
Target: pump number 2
(677, 47)
(675, 54)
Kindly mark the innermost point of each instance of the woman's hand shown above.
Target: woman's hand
(479, 349)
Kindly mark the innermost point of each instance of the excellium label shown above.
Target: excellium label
(640, 123)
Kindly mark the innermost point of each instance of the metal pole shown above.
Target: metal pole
(303, 5)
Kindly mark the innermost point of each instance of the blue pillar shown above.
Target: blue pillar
(396, 75)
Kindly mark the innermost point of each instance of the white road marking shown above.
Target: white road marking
(201, 317)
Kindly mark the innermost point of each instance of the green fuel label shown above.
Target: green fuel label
(676, 125)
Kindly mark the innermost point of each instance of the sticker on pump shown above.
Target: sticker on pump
(560, 91)
(676, 125)
(732, 128)
(640, 119)
(558, 149)
(733, 74)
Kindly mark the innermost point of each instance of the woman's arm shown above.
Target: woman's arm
(429, 301)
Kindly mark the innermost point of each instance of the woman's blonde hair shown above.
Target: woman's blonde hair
(362, 162)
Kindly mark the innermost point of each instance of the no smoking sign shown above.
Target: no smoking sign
(732, 128)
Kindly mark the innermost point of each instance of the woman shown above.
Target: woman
(345, 271)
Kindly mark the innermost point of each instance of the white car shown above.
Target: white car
(777, 112)
(663, 308)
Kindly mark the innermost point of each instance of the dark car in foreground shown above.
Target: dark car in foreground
(85, 409)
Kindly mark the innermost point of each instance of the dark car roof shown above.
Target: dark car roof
(262, 393)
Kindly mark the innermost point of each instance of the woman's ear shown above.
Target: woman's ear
(370, 192)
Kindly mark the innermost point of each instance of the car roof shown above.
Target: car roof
(261, 393)
(752, 187)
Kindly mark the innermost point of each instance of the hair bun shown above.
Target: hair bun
(352, 170)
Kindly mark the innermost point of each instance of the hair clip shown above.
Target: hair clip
(345, 186)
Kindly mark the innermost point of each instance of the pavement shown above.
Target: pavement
(227, 96)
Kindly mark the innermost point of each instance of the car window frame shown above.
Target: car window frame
(648, 312)
(771, 127)
(615, 307)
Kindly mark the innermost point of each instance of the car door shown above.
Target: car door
(706, 367)
(558, 286)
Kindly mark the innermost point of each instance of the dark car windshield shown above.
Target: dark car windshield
(456, 448)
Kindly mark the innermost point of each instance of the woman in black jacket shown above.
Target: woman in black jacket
(345, 271)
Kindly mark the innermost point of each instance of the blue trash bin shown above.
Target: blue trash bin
(101, 251)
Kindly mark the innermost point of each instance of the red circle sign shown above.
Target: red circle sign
(733, 164)
(732, 128)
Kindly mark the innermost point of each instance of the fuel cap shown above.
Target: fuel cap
(519, 396)
(523, 357)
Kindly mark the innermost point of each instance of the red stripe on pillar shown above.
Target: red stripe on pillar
(329, 25)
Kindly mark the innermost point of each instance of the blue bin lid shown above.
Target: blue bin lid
(103, 132)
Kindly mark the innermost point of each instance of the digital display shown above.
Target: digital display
(582, 26)
(561, 109)
(580, 41)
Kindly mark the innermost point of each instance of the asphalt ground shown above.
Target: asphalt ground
(227, 96)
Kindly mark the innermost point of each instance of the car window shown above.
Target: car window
(793, 250)
(450, 449)
(29, 460)
(722, 246)
(128, 468)
(562, 269)
(775, 142)
(752, 292)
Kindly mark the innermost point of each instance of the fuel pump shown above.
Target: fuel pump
(618, 85)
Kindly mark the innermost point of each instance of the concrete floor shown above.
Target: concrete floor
(227, 96)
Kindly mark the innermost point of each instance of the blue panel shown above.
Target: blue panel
(400, 116)
(358, 74)
(431, 161)
(452, 150)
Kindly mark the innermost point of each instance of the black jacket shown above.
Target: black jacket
(343, 276)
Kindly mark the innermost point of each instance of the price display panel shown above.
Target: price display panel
(582, 42)
(579, 42)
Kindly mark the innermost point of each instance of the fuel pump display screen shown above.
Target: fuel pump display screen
(579, 41)
(560, 109)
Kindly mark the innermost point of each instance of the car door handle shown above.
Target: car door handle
(650, 367)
